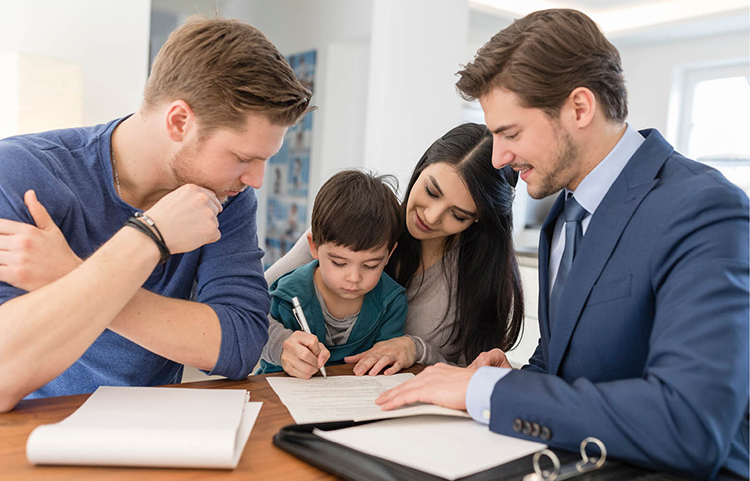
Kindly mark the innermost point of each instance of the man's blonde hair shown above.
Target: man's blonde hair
(225, 69)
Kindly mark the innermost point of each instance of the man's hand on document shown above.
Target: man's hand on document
(440, 384)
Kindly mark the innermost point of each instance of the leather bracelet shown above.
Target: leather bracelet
(148, 220)
(139, 225)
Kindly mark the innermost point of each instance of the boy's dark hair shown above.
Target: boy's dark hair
(357, 210)
(544, 56)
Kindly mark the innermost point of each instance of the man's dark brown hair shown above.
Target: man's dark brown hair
(225, 70)
(357, 210)
(543, 57)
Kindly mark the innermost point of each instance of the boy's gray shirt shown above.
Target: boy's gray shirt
(337, 331)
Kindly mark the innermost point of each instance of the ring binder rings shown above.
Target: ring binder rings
(561, 472)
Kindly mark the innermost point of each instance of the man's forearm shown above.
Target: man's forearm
(183, 331)
(45, 331)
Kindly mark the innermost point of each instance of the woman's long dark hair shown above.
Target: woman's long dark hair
(489, 296)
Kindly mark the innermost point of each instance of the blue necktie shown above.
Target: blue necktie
(573, 213)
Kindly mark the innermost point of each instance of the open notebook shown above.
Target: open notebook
(150, 426)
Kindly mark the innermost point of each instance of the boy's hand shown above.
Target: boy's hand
(302, 355)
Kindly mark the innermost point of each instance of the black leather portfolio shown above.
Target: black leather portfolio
(349, 464)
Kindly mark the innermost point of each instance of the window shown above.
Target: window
(715, 124)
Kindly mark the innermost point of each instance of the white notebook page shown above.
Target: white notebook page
(150, 426)
(447, 447)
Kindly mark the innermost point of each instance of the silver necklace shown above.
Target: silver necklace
(114, 169)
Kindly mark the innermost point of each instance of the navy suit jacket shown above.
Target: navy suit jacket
(649, 347)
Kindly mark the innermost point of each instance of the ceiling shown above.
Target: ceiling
(191, 7)
(626, 21)
(633, 18)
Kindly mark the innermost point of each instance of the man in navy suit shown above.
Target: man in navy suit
(643, 268)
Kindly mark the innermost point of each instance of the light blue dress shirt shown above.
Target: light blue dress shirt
(589, 194)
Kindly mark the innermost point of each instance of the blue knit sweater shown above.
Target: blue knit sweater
(71, 172)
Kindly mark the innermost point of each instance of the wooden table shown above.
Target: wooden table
(261, 460)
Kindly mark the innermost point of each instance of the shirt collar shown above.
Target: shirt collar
(595, 186)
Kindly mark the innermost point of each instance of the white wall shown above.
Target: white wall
(650, 71)
(416, 48)
(30, 84)
(108, 39)
(295, 26)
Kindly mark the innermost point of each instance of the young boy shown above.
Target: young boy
(349, 303)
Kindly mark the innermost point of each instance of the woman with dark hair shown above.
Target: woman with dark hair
(455, 258)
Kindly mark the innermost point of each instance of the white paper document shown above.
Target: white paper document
(447, 447)
(345, 398)
(150, 426)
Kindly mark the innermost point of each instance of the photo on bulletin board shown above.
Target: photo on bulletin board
(299, 173)
(289, 175)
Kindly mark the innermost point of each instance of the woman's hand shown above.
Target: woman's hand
(399, 353)
(495, 358)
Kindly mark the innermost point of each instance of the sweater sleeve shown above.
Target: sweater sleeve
(230, 281)
(21, 170)
(277, 334)
(298, 256)
(427, 354)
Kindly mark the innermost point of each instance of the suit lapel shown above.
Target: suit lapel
(605, 229)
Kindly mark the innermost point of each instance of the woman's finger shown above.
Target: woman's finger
(393, 369)
(365, 364)
(355, 358)
(382, 363)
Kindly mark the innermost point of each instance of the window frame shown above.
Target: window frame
(691, 77)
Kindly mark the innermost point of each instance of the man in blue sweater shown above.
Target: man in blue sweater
(129, 249)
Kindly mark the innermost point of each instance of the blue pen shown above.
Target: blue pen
(302, 320)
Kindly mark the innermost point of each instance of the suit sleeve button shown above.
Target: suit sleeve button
(535, 429)
(517, 425)
(526, 428)
(546, 433)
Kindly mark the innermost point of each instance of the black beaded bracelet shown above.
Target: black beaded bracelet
(139, 225)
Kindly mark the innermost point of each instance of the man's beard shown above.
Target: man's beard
(566, 156)
(180, 163)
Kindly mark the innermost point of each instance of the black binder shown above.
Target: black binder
(352, 465)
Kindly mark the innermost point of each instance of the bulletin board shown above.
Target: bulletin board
(288, 175)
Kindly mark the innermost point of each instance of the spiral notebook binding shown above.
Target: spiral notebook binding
(561, 472)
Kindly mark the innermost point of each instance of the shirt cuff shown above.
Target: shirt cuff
(419, 349)
(480, 389)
